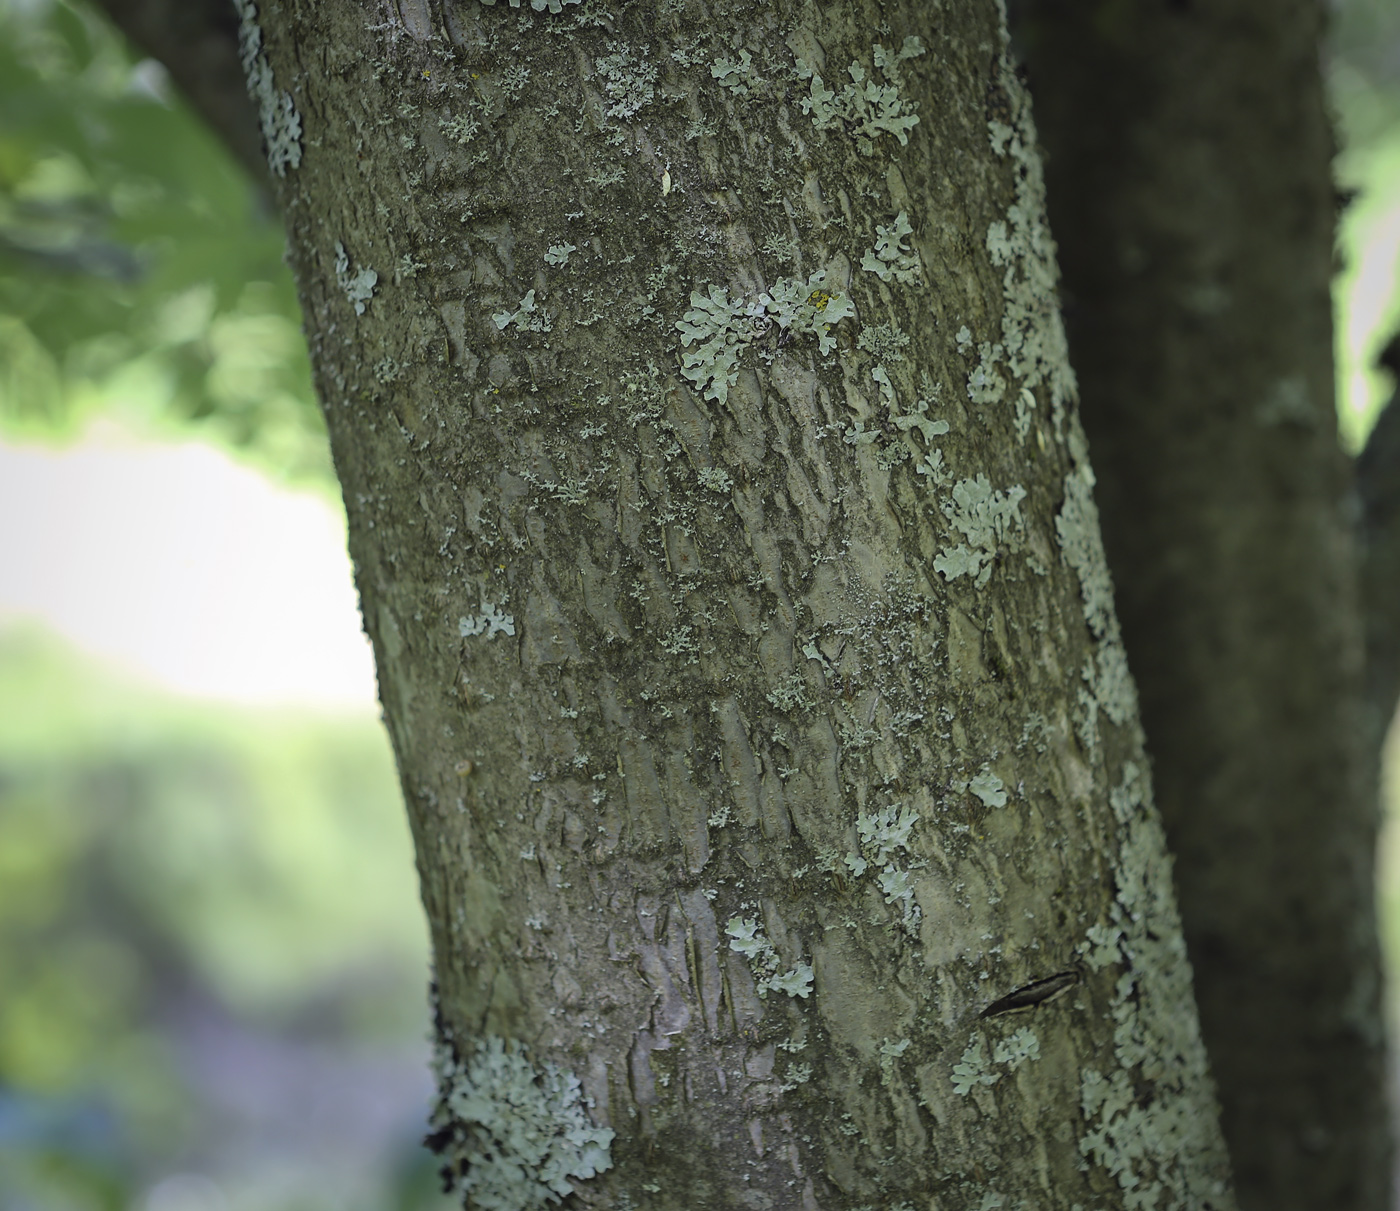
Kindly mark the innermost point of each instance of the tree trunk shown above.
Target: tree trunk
(725, 532)
(1190, 188)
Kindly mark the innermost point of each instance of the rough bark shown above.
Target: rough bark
(725, 531)
(1189, 187)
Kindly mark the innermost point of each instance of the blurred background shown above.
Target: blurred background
(213, 963)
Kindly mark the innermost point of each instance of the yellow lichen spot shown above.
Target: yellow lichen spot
(819, 299)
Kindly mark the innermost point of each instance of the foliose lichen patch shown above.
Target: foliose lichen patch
(746, 938)
(553, 6)
(717, 328)
(891, 260)
(1033, 348)
(863, 107)
(882, 835)
(513, 1137)
(277, 112)
(492, 621)
(988, 518)
(1141, 1141)
(358, 286)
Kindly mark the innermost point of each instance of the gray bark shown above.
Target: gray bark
(725, 531)
(1189, 186)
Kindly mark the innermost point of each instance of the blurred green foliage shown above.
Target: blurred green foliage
(253, 845)
(1363, 65)
(141, 271)
(158, 854)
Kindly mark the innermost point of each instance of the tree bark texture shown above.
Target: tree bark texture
(1190, 189)
(725, 531)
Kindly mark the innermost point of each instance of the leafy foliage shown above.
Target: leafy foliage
(140, 268)
(176, 878)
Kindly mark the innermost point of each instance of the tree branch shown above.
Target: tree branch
(197, 43)
(1191, 196)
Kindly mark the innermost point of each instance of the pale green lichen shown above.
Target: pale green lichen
(857, 434)
(1152, 1120)
(1033, 347)
(461, 128)
(893, 1050)
(629, 80)
(798, 1074)
(973, 1070)
(988, 788)
(490, 622)
(358, 286)
(736, 75)
(1081, 542)
(890, 260)
(919, 419)
(796, 983)
(1100, 947)
(558, 254)
(514, 79)
(554, 6)
(790, 695)
(886, 343)
(513, 1137)
(886, 831)
(866, 109)
(883, 834)
(1110, 683)
(783, 247)
(889, 1052)
(1163, 1150)
(895, 886)
(277, 112)
(930, 461)
(716, 330)
(985, 385)
(715, 478)
(746, 938)
(987, 519)
(1017, 1049)
(528, 316)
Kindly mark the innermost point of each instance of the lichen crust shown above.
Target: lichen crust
(277, 112)
(513, 1137)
